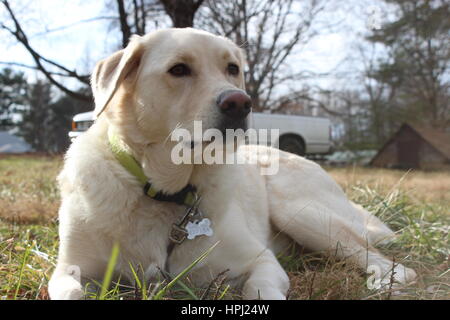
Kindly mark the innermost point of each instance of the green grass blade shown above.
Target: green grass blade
(224, 292)
(188, 290)
(109, 271)
(136, 278)
(161, 292)
(141, 285)
(22, 267)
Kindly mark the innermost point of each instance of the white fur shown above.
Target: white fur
(103, 204)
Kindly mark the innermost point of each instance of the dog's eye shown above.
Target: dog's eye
(233, 69)
(180, 70)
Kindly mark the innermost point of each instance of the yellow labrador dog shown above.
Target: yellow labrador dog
(167, 80)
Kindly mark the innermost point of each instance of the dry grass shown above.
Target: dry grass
(421, 187)
(414, 204)
(28, 193)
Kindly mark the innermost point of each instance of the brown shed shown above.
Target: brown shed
(414, 146)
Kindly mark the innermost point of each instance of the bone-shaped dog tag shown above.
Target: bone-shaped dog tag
(199, 228)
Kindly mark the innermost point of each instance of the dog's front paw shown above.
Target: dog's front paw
(72, 294)
(404, 275)
(273, 295)
(65, 288)
(263, 295)
(396, 279)
(261, 291)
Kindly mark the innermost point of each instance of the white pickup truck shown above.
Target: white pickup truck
(297, 134)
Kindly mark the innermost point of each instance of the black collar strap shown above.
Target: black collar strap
(187, 196)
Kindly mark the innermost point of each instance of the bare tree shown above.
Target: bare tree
(269, 31)
(135, 15)
(183, 12)
(124, 26)
(379, 96)
(417, 60)
(46, 66)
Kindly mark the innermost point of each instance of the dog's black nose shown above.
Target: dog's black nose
(236, 104)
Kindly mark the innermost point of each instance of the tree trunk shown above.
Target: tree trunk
(181, 12)
(124, 27)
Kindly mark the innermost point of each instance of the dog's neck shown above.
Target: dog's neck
(163, 173)
(155, 159)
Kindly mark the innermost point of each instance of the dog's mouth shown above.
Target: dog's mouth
(225, 132)
(218, 141)
(232, 124)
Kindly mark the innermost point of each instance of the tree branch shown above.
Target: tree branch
(20, 35)
(22, 65)
(124, 27)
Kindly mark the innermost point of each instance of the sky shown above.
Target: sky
(79, 45)
(76, 45)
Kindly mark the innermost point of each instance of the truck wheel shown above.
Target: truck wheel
(292, 144)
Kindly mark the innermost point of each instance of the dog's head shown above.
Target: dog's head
(170, 78)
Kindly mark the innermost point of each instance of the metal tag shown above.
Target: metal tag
(199, 228)
(189, 227)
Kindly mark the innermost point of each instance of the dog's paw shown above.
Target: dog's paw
(262, 292)
(72, 294)
(273, 295)
(264, 295)
(404, 275)
(397, 279)
(65, 288)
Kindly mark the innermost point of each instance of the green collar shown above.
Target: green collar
(187, 196)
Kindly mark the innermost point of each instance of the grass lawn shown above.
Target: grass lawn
(414, 204)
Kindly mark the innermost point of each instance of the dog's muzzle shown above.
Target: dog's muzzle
(234, 106)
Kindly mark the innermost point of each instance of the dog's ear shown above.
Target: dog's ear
(112, 71)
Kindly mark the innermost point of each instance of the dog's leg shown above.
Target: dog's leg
(321, 231)
(76, 266)
(377, 231)
(77, 258)
(267, 280)
(306, 204)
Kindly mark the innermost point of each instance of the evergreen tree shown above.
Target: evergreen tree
(13, 89)
(34, 126)
(62, 112)
(46, 123)
(417, 65)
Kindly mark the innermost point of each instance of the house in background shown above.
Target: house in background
(10, 143)
(415, 147)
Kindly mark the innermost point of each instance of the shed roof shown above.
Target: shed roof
(437, 138)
